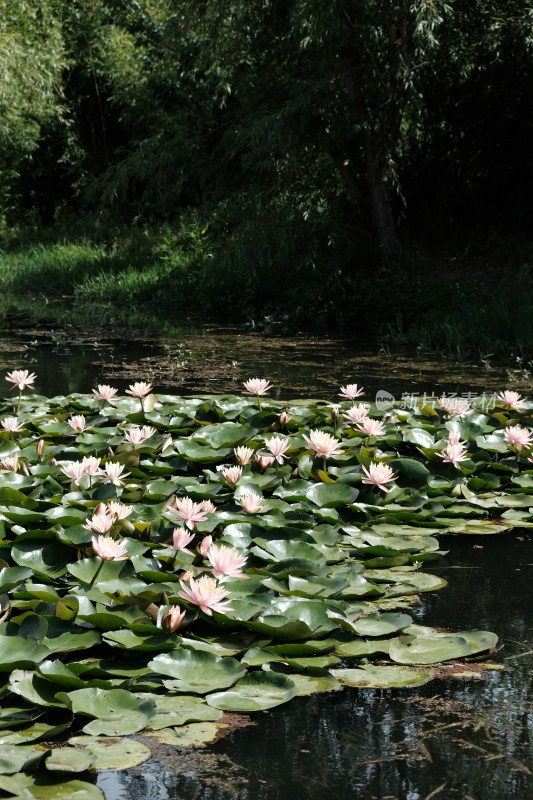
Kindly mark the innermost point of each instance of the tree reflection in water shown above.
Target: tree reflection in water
(470, 739)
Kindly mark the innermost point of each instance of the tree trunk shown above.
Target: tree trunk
(378, 176)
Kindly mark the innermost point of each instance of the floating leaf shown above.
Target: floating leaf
(437, 647)
(19, 652)
(69, 759)
(332, 495)
(257, 691)
(116, 711)
(378, 677)
(197, 672)
(41, 788)
(178, 710)
(110, 753)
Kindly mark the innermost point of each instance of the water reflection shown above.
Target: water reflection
(217, 359)
(454, 738)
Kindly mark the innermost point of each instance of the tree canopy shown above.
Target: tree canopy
(319, 130)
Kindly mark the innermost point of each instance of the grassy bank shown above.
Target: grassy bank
(479, 303)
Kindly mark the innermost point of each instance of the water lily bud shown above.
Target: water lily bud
(284, 418)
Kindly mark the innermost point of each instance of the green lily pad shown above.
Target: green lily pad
(197, 734)
(437, 647)
(176, 710)
(318, 681)
(19, 652)
(110, 753)
(378, 677)
(149, 643)
(257, 691)
(196, 671)
(44, 557)
(376, 624)
(332, 495)
(69, 759)
(19, 758)
(116, 711)
(224, 434)
(32, 787)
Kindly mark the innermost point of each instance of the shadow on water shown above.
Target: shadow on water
(71, 357)
(456, 737)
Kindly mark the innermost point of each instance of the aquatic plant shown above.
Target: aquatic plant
(279, 580)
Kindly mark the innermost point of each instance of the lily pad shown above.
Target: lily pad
(116, 711)
(437, 647)
(196, 671)
(257, 691)
(378, 677)
(110, 753)
(176, 710)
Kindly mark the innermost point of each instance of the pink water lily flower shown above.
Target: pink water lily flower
(511, 400)
(105, 392)
(208, 506)
(517, 436)
(251, 502)
(206, 594)
(455, 406)
(172, 619)
(356, 413)
(372, 427)
(140, 389)
(379, 474)
(263, 460)
(226, 561)
(10, 463)
(190, 512)
(11, 424)
(108, 549)
(232, 474)
(243, 455)
(118, 510)
(90, 465)
(322, 443)
(351, 391)
(278, 446)
(113, 472)
(453, 454)
(257, 386)
(284, 418)
(204, 545)
(101, 521)
(21, 378)
(454, 437)
(77, 423)
(181, 538)
(75, 470)
(138, 435)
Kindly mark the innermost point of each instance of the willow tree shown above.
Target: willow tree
(31, 63)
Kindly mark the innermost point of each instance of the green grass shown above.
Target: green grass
(481, 306)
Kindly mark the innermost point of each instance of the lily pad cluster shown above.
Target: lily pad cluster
(166, 559)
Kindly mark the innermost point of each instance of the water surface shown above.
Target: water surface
(465, 738)
(453, 738)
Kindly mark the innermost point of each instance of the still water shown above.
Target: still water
(453, 738)
(214, 359)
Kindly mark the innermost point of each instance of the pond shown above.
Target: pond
(459, 737)
(462, 736)
(215, 358)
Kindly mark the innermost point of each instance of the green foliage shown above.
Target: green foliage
(32, 58)
(151, 634)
